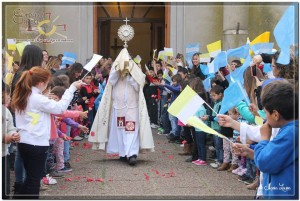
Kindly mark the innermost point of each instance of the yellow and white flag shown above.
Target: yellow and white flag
(166, 75)
(21, 46)
(184, 108)
(198, 123)
(186, 104)
(214, 48)
(173, 70)
(137, 59)
(204, 58)
(262, 38)
(258, 120)
(161, 55)
(10, 61)
(11, 44)
(168, 51)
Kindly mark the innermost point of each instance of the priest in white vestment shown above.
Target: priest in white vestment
(122, 123)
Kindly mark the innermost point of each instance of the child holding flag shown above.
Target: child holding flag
(216, 93)
(164, 119)
(175, 89)
(200, 136)
(88, 92)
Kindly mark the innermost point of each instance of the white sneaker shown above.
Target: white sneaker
(77, 138)
(214, 165)
(49, 180)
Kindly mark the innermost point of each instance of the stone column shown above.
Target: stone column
(177, 30)
(235, 25)
(86, 32)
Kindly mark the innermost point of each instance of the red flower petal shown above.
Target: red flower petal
(100, 179)
(68, 179)
(92, 133)
(87, 145)
(110, 179)
(77, 177)
(77, 159)
(62, 187)
(147, 176)
(89, 179)
(171, 157)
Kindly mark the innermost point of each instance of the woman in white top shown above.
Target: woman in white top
(32, 111)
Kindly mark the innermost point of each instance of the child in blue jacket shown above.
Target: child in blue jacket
(278, 159)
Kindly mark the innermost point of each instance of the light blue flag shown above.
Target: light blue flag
(191, 49)
(219, 61)
(267, 68)
(238, 74)
(189, 61)
(284, 33)
(207, 84)
(212, 75)
(232, 96)
(229, 78)
(260, 48)
(240, 52)
(204, 69)
(68, 58)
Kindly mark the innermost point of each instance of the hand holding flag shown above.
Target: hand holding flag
(232, 96)
(89, 66)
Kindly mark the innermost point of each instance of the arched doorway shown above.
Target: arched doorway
(147, 19)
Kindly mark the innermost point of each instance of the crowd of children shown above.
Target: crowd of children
(49, 101)
(196, 142)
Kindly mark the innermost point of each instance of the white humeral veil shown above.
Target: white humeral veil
(122, 96)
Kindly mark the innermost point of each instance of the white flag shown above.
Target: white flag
(89, 66)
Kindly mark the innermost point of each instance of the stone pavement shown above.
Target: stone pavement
(162, 174)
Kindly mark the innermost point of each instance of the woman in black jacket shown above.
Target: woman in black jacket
(196, 67)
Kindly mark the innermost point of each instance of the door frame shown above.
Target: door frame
(96, 23)
(131, 20)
